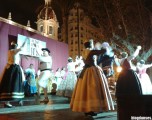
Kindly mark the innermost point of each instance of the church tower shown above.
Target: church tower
(47, 22)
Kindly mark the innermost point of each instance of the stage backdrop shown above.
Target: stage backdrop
(8, 33)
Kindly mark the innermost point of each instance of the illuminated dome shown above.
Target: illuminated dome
(47, 13)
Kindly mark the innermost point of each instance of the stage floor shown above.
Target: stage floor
(56, 109)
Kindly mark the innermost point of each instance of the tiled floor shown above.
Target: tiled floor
(56, 109)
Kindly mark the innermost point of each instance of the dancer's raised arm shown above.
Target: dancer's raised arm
(22, 46)
(148, 65)
(135, 53)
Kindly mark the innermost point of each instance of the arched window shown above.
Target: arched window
(41, 28)
(50, 30)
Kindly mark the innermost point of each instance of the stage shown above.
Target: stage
(56, 109)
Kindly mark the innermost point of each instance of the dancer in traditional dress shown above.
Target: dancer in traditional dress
(11, 87)
(91, 93)
(128, 82)
(61, 86)
(145, 81)
(63, 73)
(106, 60)
(45, 74)
(30, 83)
(50, 84)
(128, 85)
(66, 87)
(58, 77)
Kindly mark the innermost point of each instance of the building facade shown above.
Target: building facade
(77, 30)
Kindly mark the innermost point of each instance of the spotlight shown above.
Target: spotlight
(119, 69)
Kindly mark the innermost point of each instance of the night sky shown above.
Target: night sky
(22, 10)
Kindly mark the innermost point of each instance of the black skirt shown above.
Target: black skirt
(11, 86)
(128, 84)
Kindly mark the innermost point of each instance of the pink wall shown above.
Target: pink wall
(59, 51)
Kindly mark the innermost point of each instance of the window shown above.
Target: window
(76, 28)
(71, 28)
(71, 41)
(71, 35)
(76, 35)
(81, 28)
(50, 30)
(41, 28)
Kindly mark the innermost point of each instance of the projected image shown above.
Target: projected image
(30, 47)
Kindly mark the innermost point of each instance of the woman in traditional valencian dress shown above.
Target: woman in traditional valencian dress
(67, 86)
(128, 87)
(145, 81)
(11, 87)
(58, 77)
(63, 73)
(91, 93)
(128, 82)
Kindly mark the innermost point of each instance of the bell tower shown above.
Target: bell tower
(47, 22)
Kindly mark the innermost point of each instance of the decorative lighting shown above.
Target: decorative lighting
(119, 69)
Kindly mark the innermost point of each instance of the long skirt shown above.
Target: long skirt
(91, 92)
(11, 86)
(66, 86)
(146, 84)
(128, 83)
(128, 92)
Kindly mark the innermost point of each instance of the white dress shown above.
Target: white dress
(58, 78)
(145, 81)
(63, 74)
(67, 86)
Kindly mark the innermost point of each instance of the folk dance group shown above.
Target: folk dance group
(88, 90)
